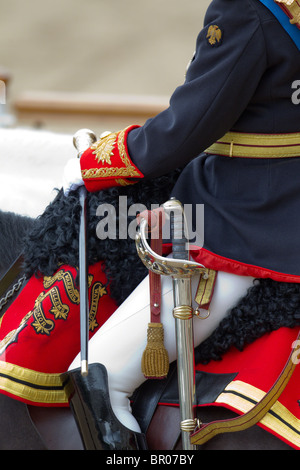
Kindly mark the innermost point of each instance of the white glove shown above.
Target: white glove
(72, 178)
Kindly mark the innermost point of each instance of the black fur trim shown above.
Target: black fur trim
(267, 306)
(54, 238)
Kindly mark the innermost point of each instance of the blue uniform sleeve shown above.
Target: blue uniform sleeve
(229, 62)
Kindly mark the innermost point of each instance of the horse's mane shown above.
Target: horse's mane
(13, 228)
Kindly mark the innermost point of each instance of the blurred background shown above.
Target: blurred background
(68, 64)
(115, 47)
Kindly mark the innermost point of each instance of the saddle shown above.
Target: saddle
(145, 401)
(233, 391)
(146, 398)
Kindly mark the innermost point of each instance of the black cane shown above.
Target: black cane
(82, 140)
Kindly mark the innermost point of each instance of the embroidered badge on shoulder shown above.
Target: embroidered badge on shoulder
(214, 35)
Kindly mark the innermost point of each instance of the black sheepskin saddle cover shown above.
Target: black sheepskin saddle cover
(53, 239)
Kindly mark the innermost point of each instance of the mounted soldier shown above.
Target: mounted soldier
(232, 128)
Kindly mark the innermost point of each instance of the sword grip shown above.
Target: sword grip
(178, 238)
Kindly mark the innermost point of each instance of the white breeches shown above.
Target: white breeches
(120, 342)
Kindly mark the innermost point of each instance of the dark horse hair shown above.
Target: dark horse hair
(53, 239)
(13, 229)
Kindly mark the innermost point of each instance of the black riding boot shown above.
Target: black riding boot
(96, 421)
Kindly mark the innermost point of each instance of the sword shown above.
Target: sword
(183, 314)
(82, 140)
(181, 269)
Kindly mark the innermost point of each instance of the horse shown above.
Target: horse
(28, 427)
(32, 427)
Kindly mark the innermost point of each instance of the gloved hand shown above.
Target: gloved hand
(105, 164)
(72, 178)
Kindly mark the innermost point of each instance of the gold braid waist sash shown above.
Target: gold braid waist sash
(239, 144)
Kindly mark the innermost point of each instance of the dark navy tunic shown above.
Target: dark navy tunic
(241, 82)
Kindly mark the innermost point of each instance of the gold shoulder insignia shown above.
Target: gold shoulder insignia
(214, 35)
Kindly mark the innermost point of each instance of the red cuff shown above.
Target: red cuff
(107, 163)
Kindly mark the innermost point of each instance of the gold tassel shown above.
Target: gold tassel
(155, 360)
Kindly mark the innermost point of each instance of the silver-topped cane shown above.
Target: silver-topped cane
(82, 140)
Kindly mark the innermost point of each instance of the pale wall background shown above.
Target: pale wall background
(115, 47)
